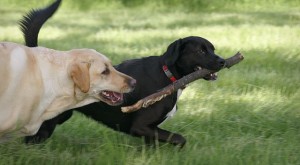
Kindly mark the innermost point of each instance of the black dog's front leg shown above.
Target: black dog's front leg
(154, 133)
(167, 136)
(146, 121)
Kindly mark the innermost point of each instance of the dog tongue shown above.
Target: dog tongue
(117, 97)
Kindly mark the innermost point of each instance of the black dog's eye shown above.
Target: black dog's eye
(200, 51)
(105, 72)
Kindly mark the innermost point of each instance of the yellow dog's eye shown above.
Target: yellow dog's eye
(106, 71)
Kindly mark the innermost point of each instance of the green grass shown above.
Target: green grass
(251, 115)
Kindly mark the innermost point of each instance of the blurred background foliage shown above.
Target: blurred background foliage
(187, 5)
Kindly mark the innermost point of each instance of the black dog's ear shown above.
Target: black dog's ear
(172, 53)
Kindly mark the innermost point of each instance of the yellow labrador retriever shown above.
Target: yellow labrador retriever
(37, 84)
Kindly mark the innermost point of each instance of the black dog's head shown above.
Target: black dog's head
(191, 53)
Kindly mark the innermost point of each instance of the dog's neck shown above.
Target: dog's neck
(168, 73)
(60, 94)
(172, 72)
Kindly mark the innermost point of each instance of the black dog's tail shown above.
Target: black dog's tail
(32, 22)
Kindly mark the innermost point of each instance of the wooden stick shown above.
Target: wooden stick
(151, 99)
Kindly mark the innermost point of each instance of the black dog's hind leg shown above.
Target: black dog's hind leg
(47, 128)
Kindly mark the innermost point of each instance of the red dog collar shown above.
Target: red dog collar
(168, 73)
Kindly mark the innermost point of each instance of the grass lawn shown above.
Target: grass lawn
(250, 115)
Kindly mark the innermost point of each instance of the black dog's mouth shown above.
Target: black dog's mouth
(209, 77)
(111, 98)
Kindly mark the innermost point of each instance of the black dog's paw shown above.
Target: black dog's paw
(178, 140)
(36, 139)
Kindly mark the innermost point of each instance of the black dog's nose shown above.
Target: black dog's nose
(221, 62)
(132, 83)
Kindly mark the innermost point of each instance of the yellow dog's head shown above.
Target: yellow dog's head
(94, 75)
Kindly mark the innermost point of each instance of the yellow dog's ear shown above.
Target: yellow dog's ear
(80, 75)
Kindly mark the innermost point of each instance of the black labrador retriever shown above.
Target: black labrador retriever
(152, 74)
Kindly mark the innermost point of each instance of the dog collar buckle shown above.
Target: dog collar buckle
(169, 73)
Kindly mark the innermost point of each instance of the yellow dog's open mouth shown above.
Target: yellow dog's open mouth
(111, 98)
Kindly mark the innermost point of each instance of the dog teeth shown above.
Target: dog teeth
(197, 68)
(213, 74)
(106, 94)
